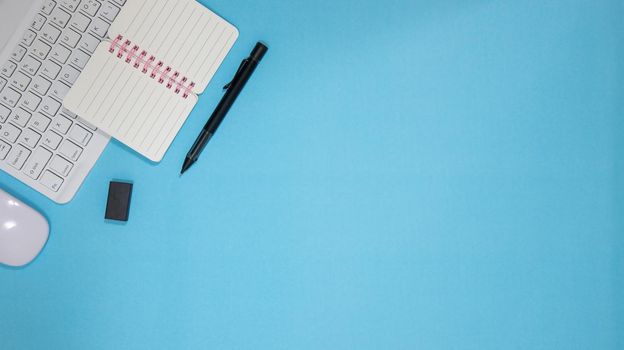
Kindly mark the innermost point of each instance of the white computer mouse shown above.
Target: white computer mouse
(23, 231)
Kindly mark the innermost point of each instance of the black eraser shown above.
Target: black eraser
(118, 204)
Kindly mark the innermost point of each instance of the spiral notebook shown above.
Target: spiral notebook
(142, 82)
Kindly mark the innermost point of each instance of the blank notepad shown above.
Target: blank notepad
(142, 82)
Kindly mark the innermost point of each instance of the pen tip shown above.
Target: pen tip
(187, 164)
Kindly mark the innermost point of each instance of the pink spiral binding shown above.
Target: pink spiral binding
(163, 76)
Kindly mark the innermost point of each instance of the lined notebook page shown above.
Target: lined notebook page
(132, 98)
(128, 105)
(182, 33)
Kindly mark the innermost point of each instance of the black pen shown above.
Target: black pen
(233, 89)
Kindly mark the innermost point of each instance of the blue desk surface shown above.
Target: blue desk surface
(397, 175)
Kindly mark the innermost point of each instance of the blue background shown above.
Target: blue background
(397, 175)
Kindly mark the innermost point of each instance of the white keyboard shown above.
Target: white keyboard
(41, 144)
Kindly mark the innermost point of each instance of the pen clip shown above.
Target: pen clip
(240, 68)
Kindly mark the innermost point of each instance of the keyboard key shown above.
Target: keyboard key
(29, 37)
(18, 53)
(4, 149)
(4, 113)
(2, 83)
(48, 6)
(71, 5)
(60, 17)
(50, 69)
(30, 65)
(37, 162)
(60, 53)
(51, 181)
(10, 97)
(58, 164)
(80, 22)
(40, 122)
(120, 2)
(99, 27)
(38, 22)
(79, 59)
(109, 12)
(40, 85)
(10, 132)
(29, 138)
(80, 135)
(31, 101)
(20, 117)
(51, 139)
(70, 38)
(89, 43)
(17, 156)
(8, 69)
(20, 81)
(61, 124)
(69, 74)
(40, 49)
(50, 33)
(50, 106)
(90, 7)
(59, 90)
(70, 150)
